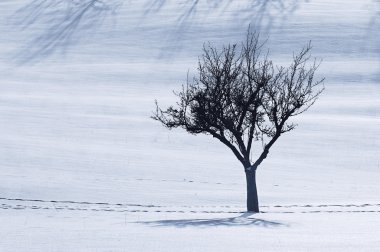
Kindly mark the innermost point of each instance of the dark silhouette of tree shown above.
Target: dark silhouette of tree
(239, 97)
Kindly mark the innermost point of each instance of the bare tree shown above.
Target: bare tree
(240, 97)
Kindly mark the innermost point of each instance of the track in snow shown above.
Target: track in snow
(37, 204)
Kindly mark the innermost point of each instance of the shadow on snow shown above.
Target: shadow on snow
(63, 23)
(261, 14)
(242, 220)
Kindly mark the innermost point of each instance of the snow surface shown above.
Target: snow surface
(77, 90)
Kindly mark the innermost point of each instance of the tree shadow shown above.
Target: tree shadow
(263, 15)
(154, 6)
(256, 11)
(242, 220)
(63, 23)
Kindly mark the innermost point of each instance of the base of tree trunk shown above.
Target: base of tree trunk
(252, 198)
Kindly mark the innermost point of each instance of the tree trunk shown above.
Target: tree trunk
(252, 199)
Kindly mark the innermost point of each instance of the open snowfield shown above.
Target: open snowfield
(84, 168)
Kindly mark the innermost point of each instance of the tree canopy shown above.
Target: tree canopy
(239, 96)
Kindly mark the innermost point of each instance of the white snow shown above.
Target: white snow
(75, 130)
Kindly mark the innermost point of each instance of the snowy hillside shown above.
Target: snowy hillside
(78, 80)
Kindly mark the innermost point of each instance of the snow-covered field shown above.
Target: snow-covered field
(84, 168)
